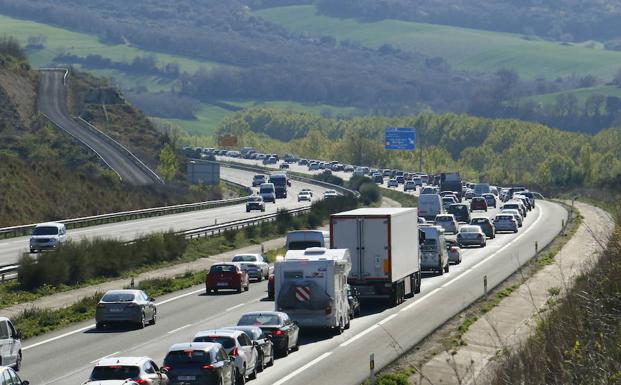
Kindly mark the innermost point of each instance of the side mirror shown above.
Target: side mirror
(152, 299)
(18, 335)
(163, 370)
(232, 358)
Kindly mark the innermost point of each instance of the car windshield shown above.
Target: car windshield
(188, 356)
(303, 245)
(429, 245)
(443, 219)
(114, 372)
(267, 190)
(223, 269)
(45, 230)
(226, 342)
(244, 258)
(118, 297)
(254, 199)
(259, 320)
(257, 177)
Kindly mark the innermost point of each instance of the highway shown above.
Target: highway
(52, 104)
(322, 359)
(10, 249)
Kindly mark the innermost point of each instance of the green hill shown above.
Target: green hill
(463, 48)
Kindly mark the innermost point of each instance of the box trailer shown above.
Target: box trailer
(311, 287)
(384, 247)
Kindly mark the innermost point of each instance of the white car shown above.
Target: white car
(330, 194)
(237, 345)
(47, 236)
(10, 345)
(254, 265)
(8, 376)
(516, 214)
(307, 190)
(304, 196)
(127, 371)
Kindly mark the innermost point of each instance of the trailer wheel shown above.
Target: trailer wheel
(419, 278)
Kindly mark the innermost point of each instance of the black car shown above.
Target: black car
(201, 363)
(277, 326)
(460, 211)
(400, 179)
(354, 302)
(264, 345)
(486, 225)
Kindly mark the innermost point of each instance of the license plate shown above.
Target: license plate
(187, 378)
(114, 310)
(222, 284)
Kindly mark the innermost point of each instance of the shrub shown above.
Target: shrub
(284, 221)
(250, 232)
(393, 379)
(369, 193)
(265, 229)
(229, 236)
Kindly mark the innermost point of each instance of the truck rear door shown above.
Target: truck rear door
(345, 234)
(375, 249)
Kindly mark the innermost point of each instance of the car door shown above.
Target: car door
(6, 344)
(16, 344)
(147, 305)
(249, 351)
(227, 367)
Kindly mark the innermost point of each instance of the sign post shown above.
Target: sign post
(372, 367)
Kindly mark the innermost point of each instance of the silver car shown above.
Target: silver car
(516, 214)
(127, 371)
(506, 222)
(471, 235)
(47, 236)
(10, 345)
(448, 223)
(254, 265)
(8, 376)
(454, 251)
(133, 306)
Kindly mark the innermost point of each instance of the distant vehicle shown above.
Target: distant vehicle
(10, 344)
(313, 166)
(289, 158)
(255, 202)
(451, 181)
(447, 201)
(506, 222)
(519, 206)
(277, 326)
(518, 217)
(281, 183)
(378, 178)
(254, 265)
(400, 179)
(304, 239)
(359, 171)
(478, 203)
(531, 196)
(471, 235)
(523, 199)
(348, 168)
(270, 160)
(284, 166)
(268, 192)
(264, 346)
(258, 180)
(387, 173)
(392, 183)
(384, 248)
(447, 222)
(311, 287)
(434, 256)
(486, 225)
(418, 181)
(409, 186)
(127, 371)
(429, 205)
(304, 196)
(490, 199)
(353, 297)
(460, 211)
(307, 190)
(469, 194)
(226, 275)
(199, 363)
(238, 346)
(429, 190)
(10, 377)
(330, 194)
(302, 162)
(454, 252)
(47, 236)
(133, 306)
(481, 188)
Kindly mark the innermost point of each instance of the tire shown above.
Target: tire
(154, 319)
(239, 289)
(296, 347)
(515, 231)
(260, 364)
(141, 323)
(285, 351)
(240, 378)
(446, 269)
(18, 363)
(99, 326)
(247, 287)
(253, 375)
(271, 363)
(348, 324)
(260, 279)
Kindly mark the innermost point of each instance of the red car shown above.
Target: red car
(478, 203)
(226, 276)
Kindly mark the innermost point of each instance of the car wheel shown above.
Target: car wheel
(285, 351)
(142, 322)
(515, 231)
(18, 362)
(260, 278)
(154, 319)
(253, 375)
(446, 268)
(99, 326)
(240, 378)
(260, 363)
(271, 363)
(239, 289)
(296, 347)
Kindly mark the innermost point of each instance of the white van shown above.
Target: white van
(481, 188)
(311, 287)
(47, 236)
(434, 255)
(303, 239)
(10, 344)
(429, 205)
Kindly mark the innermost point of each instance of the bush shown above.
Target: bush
(266, 229)
(393, 379)
(250, 232)
(329, 178)
(357, 181)
(284, 221)
(229, 236)
(369, 193)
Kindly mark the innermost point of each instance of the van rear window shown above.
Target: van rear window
(303, 245)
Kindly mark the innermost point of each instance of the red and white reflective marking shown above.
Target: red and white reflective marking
(302, 293)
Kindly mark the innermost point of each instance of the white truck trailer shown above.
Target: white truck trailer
(384, 247)
(311, 287)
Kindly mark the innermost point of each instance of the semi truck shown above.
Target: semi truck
(384, 247)
(311, 287)
(451, 181)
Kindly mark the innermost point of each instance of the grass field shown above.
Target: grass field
(463, 48)
(582, 94)
(61, 40)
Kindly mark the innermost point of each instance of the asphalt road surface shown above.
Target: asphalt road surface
(10, 249)
(52, 104)
(322, 359)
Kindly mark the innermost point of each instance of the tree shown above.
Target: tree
(617, 79)
(168, 163)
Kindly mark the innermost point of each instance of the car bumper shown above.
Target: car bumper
(471, 241)
(506, 228)
(133, 316)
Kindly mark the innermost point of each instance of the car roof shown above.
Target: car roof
(50, 224)
(219, 333)
(247, 328)
(247, 255)
(205, 346)
(277, 313)
(123, 291)
(225, 264)
(133, 361)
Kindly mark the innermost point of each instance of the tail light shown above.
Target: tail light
(328, 309)
(207, 367)
(278, 332)
(132, 305)
(234, 352)
(101, 306)
(167, 367)
(140, 381)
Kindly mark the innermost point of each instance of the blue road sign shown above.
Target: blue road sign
(399, 138)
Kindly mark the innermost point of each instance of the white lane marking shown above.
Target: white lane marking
(234, 307)
(421, 299)
(303, 368)
(59, 337)
(387, 319)
(359, 335)
(178, 329)
(99, 359)
(179, 297)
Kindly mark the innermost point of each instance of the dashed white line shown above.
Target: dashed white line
(178, 329)
(387, 319)
(235, 307)
(359, 335)
(99, 359)
(421, 299)
(59, 337)
(303, 368)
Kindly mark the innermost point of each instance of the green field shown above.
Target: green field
(582, 94)
(463, 48)
(60, 40)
